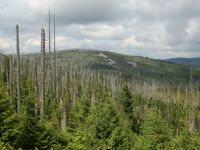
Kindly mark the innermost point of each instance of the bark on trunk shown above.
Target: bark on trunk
(11, 78)
(42, 109)
(18, 69)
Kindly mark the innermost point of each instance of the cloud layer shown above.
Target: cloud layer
(154, 28)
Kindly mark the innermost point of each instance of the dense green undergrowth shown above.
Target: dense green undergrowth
(131, 122)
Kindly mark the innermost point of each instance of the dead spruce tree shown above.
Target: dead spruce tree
(1, 64)
(63, 119)
(18, 69)
(11, 78)
(42, 107)
(50, 62)
(7, 75)
(36, 85)
(190, 98)
(54, 57)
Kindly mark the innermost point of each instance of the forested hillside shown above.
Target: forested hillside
(97, 100)
(129, 67)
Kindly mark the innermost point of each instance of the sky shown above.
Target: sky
(153, 28)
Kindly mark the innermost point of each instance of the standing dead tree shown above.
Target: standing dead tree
(1, 64)
(50, 62)
(42, 107)
(36, 86)
(63, 103)
(11, 78)
(7, 75)
(54, 57)
(178, 111)
(190, 117)
(18, 69)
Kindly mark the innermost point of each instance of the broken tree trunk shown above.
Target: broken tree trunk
(42, 107)
(54, 57)
(36, 86)
(11, 78)
(50, 63)
(18, 69)
(1, 64)
(63, 104)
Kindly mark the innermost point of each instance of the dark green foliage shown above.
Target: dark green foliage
(33, 132)
(101, 67)
(4, 109)
(110, 131)
(8, 119)
(126, 98)
(86, 103)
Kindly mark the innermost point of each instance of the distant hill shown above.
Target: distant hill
(186, 61)
(137, 67)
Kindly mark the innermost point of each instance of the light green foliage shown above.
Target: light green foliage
(156, 132)
(111, 132)
(121, 138)
(4, 146)
(105, 120)
(185, 141)
(82, 139)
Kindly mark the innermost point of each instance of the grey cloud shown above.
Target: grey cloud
(155, 28)
(89, 11)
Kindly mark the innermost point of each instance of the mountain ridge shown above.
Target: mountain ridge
(138, 67)
(186, 61)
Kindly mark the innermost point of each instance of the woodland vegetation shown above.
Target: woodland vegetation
(45, 105)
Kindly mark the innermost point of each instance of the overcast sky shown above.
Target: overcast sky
(153, 28)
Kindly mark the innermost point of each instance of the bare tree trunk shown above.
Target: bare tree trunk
(63, 120)
(93, 99)
(11, 78)
(63, 113)
(178, 111)
(74, 88)
(1, 64)
(18, 69)
(7, 79)
(55, 63)
(36, 86)
(191, 104)
(50, 63)
(42, 109)
(60, 85)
